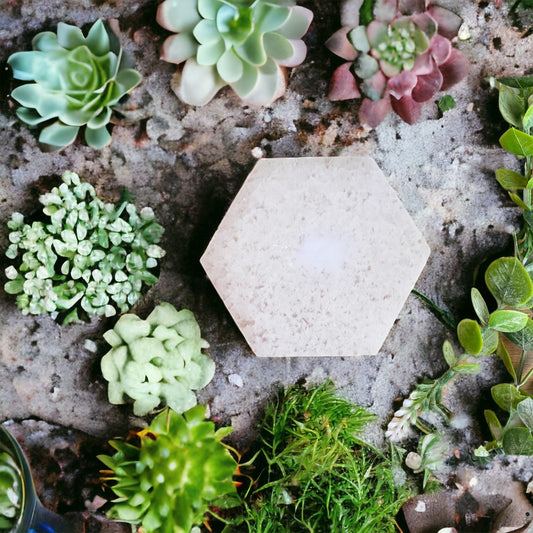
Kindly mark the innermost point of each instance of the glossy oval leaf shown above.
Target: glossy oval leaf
(511, 106)
(490, 341)
(517, 142)
(525, 412)
(449, 354)
(469, 335)
(494, 424)
(506, 359)
(518, 441)
(524, 337)
(480, 307)
(508, 321)
(506, 396)
(511, 180)
(509, 281)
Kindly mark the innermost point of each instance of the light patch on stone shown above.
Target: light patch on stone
(420, 507)
(236, 380)
(315, 257)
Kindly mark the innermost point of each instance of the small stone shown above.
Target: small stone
(257, 152)
(464, 32)
(90, 346)
(236, 380)
(420, 507)
(470, 107)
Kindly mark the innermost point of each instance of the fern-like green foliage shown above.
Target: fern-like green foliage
(156, 360)
(318, 474)
(76, 81)
(170, 479)
(87, 256)
(10, 492)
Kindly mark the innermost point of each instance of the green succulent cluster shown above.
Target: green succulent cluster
(178, 471)
(10, 492)
(156, 360)
(89, 255)
(242, 43)
(76, 82)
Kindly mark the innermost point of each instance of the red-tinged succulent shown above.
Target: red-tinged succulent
(396, 58)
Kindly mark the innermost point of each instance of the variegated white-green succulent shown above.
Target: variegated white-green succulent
(157, 360)
(10, 492)
(89, 255)
(180, 469)
(76, 82)
(242, 43)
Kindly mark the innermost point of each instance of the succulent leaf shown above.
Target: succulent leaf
(77, 259)
(157, 360)
(230, 42)
(10, 492)
(410, 43)
(77, 80)
(179, 470)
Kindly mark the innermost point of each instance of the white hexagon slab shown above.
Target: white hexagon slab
(315, 257)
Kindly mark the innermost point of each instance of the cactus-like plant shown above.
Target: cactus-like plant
(10, 492)
(242, 43)
(76, 82)
(398, 57)
(156, 360)
(179, 470)
(88, 255)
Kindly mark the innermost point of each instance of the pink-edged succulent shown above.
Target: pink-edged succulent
(398, 60)
(242, 43)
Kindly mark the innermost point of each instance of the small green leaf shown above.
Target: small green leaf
(446, 103)
(506, 396)
(469, 334)
(525, 412)
(518, 441)
(527, 121)
(506, 359)
(490, 341)
(510, 180)
(518, 201)
(522, 82)
(468, 369)
(14, 286)
(494, 424)
(509, 281)
(511, 106)
(517, 142)
(524, 337)
(508, 321)
(449, 354)
(480, 307)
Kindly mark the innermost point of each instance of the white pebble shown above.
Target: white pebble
(236, 380)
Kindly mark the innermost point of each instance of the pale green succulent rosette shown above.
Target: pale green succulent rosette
(180, 469)
(157, 360)
(242, 43)
(77, 81)
(10, 492)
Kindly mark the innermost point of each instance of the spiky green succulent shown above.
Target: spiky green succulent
(157, 360)
(10, 492)
(88, 255)
(242, 43)
(76, 82)
(179, 470)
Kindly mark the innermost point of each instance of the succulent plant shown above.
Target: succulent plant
(76, 82)
(156, 360)
(397, 58)
(10, 492)
(88, 255)
(178, 471)
(242, 43)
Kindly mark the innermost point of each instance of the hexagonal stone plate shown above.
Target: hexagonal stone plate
(315, 257)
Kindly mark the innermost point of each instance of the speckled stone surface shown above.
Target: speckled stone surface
(315, 257)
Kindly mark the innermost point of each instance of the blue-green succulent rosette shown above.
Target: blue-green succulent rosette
(241, 43)
(76, 82)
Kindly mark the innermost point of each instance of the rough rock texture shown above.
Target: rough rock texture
(188, 164)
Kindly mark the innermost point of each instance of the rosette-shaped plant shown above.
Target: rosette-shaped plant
(76, 82)
(10, 492)
(398, 59)
(180, 469)
(156, 360)
(242, 43)
(88, 256)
